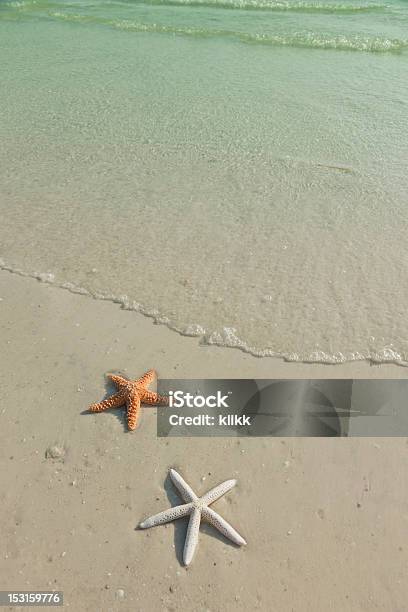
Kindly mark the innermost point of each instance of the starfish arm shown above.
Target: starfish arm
(118, 380)
(218, 491)
(147, 378)
(166, 516)
(223, 527)
(133, 410)
(111, 402)
(192, 536)
(183, 488)
(148, 397)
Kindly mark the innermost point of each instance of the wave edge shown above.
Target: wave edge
(309, 40)
(226, 337)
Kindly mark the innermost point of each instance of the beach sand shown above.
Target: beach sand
(326, 520)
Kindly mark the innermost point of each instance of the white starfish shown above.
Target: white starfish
(197, 508)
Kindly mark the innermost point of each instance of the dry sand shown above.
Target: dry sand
(326, 520)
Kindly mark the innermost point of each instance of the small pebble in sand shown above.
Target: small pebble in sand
(120, 594)
(55, 452)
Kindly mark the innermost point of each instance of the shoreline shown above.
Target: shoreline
(303, 369)
(314, 511)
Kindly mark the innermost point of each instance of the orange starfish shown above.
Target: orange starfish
(132, 393)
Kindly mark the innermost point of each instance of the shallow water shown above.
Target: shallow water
(235, 169)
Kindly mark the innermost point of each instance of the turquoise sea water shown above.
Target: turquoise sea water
(236, 169)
